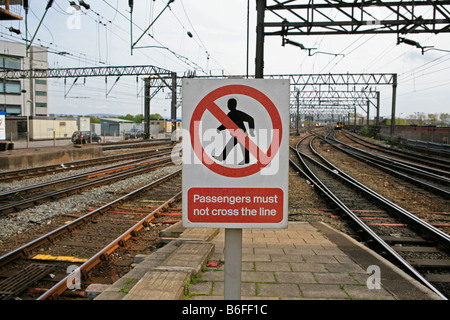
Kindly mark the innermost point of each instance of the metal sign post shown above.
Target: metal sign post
(235, 161)
(233, 264)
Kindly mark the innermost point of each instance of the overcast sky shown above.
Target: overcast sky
(101, 36)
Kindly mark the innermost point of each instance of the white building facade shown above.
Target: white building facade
(24, 97)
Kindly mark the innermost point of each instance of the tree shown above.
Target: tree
(445, 117)
(156, 116)
(94, 119)
(128, 117)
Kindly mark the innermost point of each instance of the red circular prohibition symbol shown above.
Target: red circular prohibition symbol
(207, 102)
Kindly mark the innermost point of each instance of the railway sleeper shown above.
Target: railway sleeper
(13, 285)
(430, 263)
(408, 240)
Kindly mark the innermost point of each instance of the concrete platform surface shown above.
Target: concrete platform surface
(306, 261)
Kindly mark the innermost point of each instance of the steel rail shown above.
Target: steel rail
(155, 142)
(61, 286)
(116, 168)
(134, 144)
(355, 219)
(401, 165)
(24, 250)
(89, 184)
(422, 183)
(439, 235)
(424, 159)
(75, 165)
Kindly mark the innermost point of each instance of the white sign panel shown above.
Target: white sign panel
(235, 153)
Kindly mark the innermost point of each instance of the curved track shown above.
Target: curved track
(434, 180)
(351, 198)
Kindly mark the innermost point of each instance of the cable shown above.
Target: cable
(178, 56)
(43, 24)
(424, 89)
(347, 54)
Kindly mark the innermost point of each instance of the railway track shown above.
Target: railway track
(21, 198)
(75, 165)
(434, 180)
(134, 144)
(81, 251)
(441, 163)
(409, 242)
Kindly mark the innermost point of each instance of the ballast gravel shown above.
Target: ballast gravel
(78, 203)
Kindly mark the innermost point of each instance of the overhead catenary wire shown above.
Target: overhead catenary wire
(100, 19)
(112, 32)
(182, 58)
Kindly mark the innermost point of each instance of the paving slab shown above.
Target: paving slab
(305, 261)
(159, 285)
(163, 274)
(190, 256)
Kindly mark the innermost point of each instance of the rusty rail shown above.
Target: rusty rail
(24, 250)
(62, 286)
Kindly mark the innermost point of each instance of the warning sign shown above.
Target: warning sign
(235, 153)
(244, 205)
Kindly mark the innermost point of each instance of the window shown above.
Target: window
(10, 87)
(11, 109)
(41, 81)
(9, 62)
(41, 93)
(41, 105)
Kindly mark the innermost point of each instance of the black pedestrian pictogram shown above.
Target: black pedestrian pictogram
(239, 118)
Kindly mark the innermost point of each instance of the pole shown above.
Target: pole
(28, 131)
(233, 237)
(25, 6)
(378, 109)
(259, 60)
(174, 103)
(297, 118)
(233, 264)
(147, 108)
(151, 24)
(130, 3)
(248, 33)
(49, 4)
(31, 82)
(394, 99)
(368, 109)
